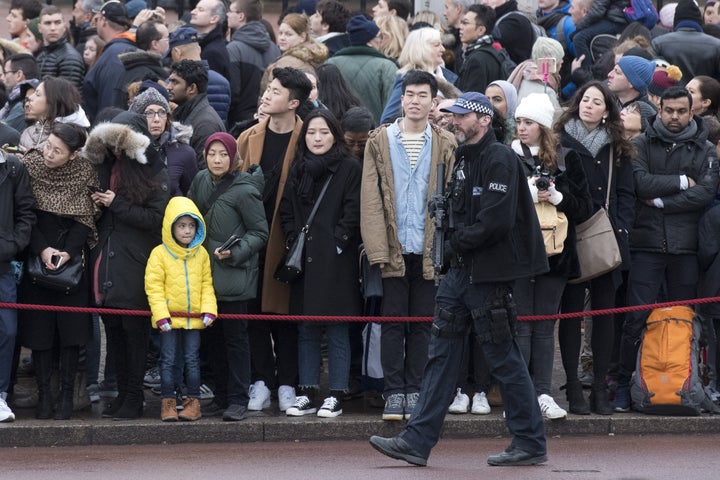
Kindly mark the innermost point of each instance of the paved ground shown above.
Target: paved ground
(628, 457)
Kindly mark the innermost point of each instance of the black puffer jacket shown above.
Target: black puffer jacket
(128, 231)
(60, 59)
(605, 10)
(657, 169)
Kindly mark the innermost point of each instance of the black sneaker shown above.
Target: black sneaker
(303, 406)
(331, 407)
(394, 407)
(411, 400)
(235, 413)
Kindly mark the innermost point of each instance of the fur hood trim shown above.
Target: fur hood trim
(181, 133)
(115, 136)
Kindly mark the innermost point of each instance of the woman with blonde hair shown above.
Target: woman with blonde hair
(423, 50)
(299, 49)
(394, 31)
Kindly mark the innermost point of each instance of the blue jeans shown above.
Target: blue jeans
(466, 303)
(8, 328)
(309, 336)
(187, 344)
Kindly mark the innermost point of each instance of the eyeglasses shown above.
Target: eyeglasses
(7, 72)
(150, 114)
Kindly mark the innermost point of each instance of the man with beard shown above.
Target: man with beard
(676, 177)
(495, 240)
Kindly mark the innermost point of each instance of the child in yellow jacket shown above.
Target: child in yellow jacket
(178, 280)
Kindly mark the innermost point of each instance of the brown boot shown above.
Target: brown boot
(168, 412)
(191, 411)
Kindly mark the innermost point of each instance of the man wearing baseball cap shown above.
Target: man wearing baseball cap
(495, 241)
(101, 81)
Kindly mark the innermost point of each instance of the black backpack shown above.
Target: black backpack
(507, 64)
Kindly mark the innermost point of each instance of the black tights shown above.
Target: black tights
(602, 295)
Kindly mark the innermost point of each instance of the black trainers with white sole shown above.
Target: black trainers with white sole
(303, 406)
(331, 408)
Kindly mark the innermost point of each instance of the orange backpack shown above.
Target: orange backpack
(666, 379)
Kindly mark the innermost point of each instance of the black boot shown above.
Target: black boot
(42, 360)
(112, 408)
(599, 402)
(575, 397)
(68, 368)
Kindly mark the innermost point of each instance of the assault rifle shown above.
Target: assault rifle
(438, 211)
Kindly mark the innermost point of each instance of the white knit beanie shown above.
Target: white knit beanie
(536, 107)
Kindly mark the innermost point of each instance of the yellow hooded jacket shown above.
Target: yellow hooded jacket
(178, 279)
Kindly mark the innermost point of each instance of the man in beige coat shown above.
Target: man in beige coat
(399, 178)
(271, 144)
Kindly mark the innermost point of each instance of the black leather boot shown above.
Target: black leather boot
(599, 402)
(42, 360)
(575, 398)
(68, 368)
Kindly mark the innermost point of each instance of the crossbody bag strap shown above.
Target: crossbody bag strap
(311, 217)
(610, 169)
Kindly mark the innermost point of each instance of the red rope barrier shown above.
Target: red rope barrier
(356, 318)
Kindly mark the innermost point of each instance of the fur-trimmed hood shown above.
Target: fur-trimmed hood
(181, 133)
(115, 136)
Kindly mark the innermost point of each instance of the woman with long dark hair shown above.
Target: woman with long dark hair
(330, 256)
(133, 195)
(55, 100)
(334, 92)
(555, 178)
(592, 127)
(64, 233)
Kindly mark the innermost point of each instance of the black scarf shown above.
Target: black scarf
(312, 168)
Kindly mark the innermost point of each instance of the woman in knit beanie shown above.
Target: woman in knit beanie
(556, 179)
(232, 206)
(32, 39)
(592, 127)
(170, 139)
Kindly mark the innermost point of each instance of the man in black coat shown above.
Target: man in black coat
(480, 64)
(495, 241)
(57, 58)
(16, 221)
(676, 178)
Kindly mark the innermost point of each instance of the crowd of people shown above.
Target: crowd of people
(174, 166)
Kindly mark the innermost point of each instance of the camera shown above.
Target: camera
(544, 179)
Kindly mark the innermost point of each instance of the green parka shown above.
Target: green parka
(238, 210)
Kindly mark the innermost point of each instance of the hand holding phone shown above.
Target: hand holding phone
(229, 243)
(56, 260)
(93, 189)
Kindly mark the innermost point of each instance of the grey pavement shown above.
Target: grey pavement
(359, 422)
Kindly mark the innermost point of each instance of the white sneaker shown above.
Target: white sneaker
(259, 396)
(460, 404)
(480, 405)
(286, 397)
(549, 408)
(6, 415)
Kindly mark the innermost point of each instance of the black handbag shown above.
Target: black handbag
(65, 279)
(370, 277)
(290, 268)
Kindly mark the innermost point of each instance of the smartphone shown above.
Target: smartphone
(229, 243)
(14, 150)
(93, 189)
(56, 260)
(547, 65)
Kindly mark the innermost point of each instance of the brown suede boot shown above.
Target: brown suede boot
(191, 411)
(168, 412)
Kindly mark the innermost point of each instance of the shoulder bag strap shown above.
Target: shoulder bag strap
(311, 217)
(610, 169)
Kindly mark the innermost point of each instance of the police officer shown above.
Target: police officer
(494, 240)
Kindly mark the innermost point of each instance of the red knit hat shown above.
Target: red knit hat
(664, 79)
